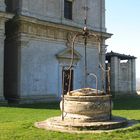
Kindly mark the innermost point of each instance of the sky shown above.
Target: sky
(123, 21)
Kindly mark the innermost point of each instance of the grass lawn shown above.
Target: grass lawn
(17, 122)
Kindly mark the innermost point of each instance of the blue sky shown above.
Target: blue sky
(123, 20)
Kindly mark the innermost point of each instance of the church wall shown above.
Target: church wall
(41, 72)
(35, 69)
(41, 9)
(92, 67)
(12, 6)
(53, 11)
(11, 67)
(37, 34)
(39, 68)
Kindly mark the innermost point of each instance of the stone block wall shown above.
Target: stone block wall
(37, 35)
(53, 11)
(33, 70)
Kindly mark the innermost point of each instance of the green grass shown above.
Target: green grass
(17, 122)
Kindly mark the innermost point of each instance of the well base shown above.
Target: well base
(56, 124)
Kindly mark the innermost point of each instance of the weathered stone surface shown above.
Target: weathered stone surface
(2, 21)
(85, 92)
(56, 124)
(1, 68)
(123, 74)
(40, 60)
(87, 108)
(52, 10)
(3, 18)
(35, 38)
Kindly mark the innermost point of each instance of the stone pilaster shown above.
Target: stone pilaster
(1, 66)
(129, 76)
(102, 15)
(102, 63)
(114, 75)
(133, 84)
(3, 18)
(2, 37)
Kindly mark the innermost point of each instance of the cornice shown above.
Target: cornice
(61, 27)
(6, 15)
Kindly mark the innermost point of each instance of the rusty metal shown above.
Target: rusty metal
(108, 77)
(95, 76)
(62, 110)
(85, 35)
(108, 81)
(108, 87)
(108, 91)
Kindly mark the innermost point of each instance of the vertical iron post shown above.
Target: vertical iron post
(85, 69)
(62, 113)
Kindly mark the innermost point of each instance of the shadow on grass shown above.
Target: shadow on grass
(133, 126)
(127, 103)
(122, 103)
(50, 105)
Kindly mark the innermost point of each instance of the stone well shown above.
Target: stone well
(83, 107)
(84, 111)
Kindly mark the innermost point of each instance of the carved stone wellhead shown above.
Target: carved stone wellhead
(84, 105)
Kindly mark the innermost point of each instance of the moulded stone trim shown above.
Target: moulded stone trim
(66, 54)
(47, 29)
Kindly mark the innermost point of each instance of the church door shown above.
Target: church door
(66, 76)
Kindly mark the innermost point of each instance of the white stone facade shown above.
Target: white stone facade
(39, 69)
(53, 11)
(37, 46)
